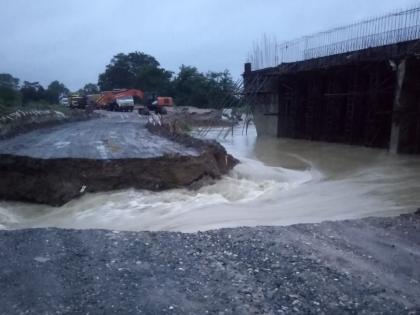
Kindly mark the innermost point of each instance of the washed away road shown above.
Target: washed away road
(57, 164)
(114, 136)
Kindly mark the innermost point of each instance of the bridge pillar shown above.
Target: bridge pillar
(398, 106)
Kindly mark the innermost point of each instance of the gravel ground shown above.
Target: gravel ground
(362, 266)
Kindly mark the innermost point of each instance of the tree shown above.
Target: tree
(190, 87)
(54, 90)
(32, 92)
(7, 80)
(9, 89)
(222, 89)
(89, 88)
(193, 88)
(135, 70)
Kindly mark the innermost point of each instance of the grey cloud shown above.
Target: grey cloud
(72, 41)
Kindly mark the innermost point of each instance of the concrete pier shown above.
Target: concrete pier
(369, 97)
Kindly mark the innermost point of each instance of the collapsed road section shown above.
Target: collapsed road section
(55, 165)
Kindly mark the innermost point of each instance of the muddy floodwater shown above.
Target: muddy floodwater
(279, 182)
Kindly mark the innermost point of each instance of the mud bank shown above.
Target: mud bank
(367, 266)
(56, 180)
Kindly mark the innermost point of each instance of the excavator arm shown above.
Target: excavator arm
(109, 97)
(131, 92)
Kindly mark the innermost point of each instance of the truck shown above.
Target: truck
(122, 104)
(77, 101)
(119, 100)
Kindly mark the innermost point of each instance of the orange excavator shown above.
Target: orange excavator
(119, 100)
(156, 104)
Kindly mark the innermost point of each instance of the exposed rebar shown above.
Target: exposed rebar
(389, 29)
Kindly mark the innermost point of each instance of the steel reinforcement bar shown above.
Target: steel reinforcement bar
(389, 29)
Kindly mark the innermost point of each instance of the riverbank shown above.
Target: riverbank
(359, 266)
(184, 119)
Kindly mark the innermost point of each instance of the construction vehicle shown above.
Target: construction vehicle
(91, 99)
(64, 100)
(156, 104)
(119, 100)
(77, 101)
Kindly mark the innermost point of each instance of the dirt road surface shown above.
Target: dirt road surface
(369, 266)
(115, 136)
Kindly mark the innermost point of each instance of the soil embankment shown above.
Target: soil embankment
(57, 181)
(185, 118)
(367, 266)
(55, 165)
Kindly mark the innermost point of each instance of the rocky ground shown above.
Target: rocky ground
(56, 164)
(363, 266)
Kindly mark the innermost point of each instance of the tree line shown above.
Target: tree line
(137, 70)
(189, 87)
(14, 94)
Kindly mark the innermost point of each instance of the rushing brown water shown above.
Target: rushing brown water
(278, 182)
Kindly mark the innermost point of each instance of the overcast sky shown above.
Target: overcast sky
(73, 40)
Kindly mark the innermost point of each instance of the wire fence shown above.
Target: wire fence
(385, 30)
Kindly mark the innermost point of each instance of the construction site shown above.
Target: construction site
(357, 84)
(292, 190)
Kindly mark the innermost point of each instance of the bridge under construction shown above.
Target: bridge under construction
(358, 84)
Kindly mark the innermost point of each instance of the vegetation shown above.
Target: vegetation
(193, 88)
(35, 92)
(54, 90)
(135, 71)
(29, 96)
(189, 86)
(89, 88)
(9, 90)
